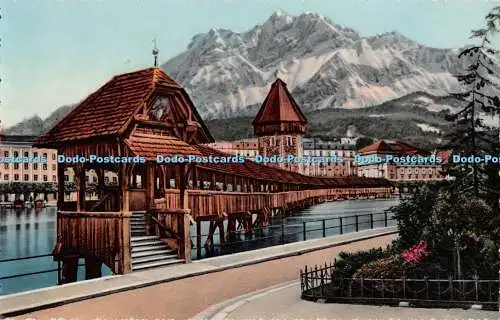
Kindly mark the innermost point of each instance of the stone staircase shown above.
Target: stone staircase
(148, 251)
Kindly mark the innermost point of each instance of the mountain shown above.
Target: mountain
(325, 65)
(36, 126)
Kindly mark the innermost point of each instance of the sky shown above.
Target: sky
(56, 52)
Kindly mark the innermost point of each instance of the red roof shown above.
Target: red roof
(398, 147)
(109, 110)
(149, 143)
(279, 106)
(379, 146)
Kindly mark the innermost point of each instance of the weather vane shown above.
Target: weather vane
(155, 52)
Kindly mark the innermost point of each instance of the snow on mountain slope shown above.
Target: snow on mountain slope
(428, 128)
(324, 64)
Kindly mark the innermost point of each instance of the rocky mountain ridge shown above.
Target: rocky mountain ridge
(324, 65)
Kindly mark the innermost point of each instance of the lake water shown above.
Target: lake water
(32, 232)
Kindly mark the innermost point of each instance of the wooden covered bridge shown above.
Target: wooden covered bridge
(144, 220)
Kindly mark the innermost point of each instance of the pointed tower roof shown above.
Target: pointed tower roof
(279, 113)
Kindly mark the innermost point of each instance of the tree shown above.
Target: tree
(469, 135)
(363, 142)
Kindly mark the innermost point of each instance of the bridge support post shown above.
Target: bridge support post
(185, 245)
(92, 268)
(69, 269)
(198, 239)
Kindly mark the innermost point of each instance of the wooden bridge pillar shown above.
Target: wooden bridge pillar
(92, 268)
(60, 186)
(80, 187)
(185, 247)
(69, 269)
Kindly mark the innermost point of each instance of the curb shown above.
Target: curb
(46, 305)
(220, 310)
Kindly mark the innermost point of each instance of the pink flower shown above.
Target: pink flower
(415, 253)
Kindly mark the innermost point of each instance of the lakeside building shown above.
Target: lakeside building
(399, 172)
(343, 149)
(43, 168)
(340, 147)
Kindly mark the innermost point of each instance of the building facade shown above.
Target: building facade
(343, 150)
(398, 172)
(29, 164)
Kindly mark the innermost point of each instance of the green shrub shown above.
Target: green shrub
(349, 262)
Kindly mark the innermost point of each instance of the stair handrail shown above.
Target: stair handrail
(99, 202)
(165, 228)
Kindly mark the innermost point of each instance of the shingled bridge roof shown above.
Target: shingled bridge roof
(251, 169)
(110, 110)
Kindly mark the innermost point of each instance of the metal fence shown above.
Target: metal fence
(276, 234)
(326, 283)
(56, 265)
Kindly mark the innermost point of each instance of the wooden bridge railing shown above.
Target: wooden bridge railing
(101, 235)
(206, 202)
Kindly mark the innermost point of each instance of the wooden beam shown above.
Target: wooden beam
(60, 185)
(198, 239)
(212, 181)
(124, 183)
(194, 177)
(149, 185)
(182, 185)
(80, 187)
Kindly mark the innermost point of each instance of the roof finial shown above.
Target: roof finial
(276, 73)
(155, 52)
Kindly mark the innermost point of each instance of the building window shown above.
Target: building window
(35, 177)
(94, 179)
(86, 178)
(53, 156)
(6, 166)
(66, 177)
(106, 179)
(16, 166)
(16, 177)
(6, 154)
(54, 168)
(35, 154)
(44, 166)
(54, 178)
(26, 154)
(26, 166)
(115, 180)
(45, 155)
(35, 166)
(6, 177)
(16, 154)
(45, 178)
(26, 177)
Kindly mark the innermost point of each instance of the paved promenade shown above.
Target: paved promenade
(283, 302)
(199, 285)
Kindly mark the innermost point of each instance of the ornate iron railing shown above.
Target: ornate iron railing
(325, 283)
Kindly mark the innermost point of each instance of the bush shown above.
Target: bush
(349, 262)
